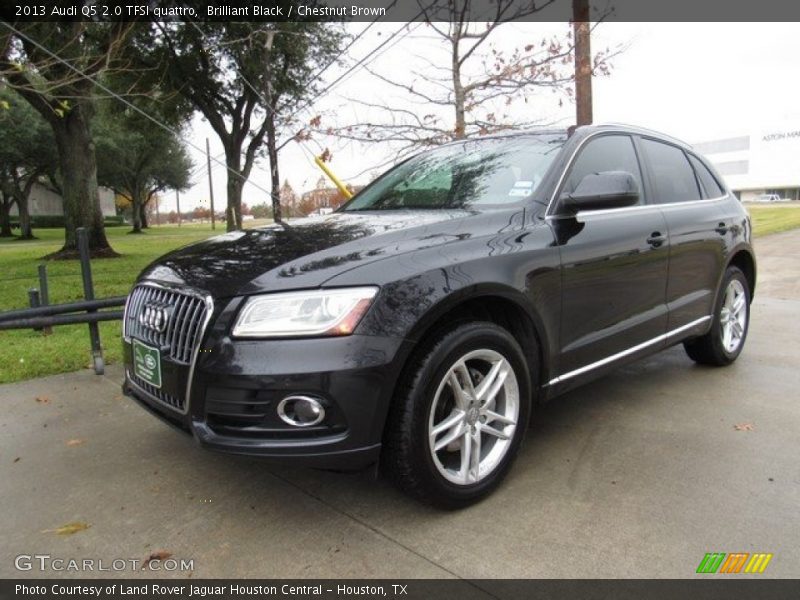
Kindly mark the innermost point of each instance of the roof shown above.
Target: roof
(622, 127)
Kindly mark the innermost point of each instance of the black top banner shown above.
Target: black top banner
(397, 10)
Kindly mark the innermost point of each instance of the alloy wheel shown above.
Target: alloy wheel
(733, 316)
(473, 417)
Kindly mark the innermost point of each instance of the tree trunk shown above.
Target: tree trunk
(233, 211)
(136, 212)
(25, 230)
(459, 132)
(272, 151)
(143, 216)
(5, 218)
(78, 169)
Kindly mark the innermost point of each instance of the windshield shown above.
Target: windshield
(492, 172)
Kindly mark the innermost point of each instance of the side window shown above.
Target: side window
(605, 153)
(673, 176)
(711, 188)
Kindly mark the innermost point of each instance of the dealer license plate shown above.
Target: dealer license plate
(147, 363)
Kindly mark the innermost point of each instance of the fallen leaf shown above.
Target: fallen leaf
(744, 427)
(42, 399)
(157, 555)
(76, 442)
(69, 528)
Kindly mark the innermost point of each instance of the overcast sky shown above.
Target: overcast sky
(695, 81)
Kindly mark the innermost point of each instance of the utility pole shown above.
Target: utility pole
(583, 62)
(210, 185)
(178, 205)
(275, 194)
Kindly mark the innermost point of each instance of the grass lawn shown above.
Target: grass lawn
(771, 218)
(25, 353)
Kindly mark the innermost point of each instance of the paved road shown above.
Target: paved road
(637, 475)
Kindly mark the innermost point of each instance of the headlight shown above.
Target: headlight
(313, 312)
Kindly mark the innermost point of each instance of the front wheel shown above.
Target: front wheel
(459, 416)
(723, 344)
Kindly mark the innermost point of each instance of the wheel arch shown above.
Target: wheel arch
(497, 304)
(744, 260)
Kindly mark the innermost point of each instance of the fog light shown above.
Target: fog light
(301, 411)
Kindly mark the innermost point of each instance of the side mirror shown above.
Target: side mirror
(596, 191)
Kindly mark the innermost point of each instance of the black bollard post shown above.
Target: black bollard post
(34, 302)
(88, 294)
(44, 294)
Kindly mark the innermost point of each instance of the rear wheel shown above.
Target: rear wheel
(460, 416)
(723, 344)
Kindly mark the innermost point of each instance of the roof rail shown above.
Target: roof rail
(643, 130)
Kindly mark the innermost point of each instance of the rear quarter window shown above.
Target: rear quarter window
(710, 185)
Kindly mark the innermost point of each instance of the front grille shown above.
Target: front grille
(186, 314)
(158, 394)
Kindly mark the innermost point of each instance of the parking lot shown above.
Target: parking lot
(637, 475)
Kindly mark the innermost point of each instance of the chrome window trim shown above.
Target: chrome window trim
(668, 205)
(609, 359)
(587, 215)
(209, 302)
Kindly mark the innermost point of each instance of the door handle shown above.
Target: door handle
(721, 229)
(656, 239)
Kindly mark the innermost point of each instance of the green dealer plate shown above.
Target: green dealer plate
(147, 363)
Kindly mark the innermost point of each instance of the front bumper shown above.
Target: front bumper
(235, 387)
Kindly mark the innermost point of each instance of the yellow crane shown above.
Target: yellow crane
(336, 181)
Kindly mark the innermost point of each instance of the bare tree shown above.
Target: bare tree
(477, 83)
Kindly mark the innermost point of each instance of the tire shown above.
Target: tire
(724, 342)
(434, 393)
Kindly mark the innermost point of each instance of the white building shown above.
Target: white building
(765, 161)
(45, 202)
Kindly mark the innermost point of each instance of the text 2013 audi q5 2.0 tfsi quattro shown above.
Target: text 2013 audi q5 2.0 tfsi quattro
(418, 324)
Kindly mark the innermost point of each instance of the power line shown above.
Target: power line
(126, 102)
(316, 74)
(246, 81)
(360, 64)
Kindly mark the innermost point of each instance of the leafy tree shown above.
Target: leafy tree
(39, 60)
(245, 79)
(262, 211)
(137, 159)
(26, 154)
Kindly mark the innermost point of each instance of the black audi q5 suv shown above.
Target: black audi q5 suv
(417, 326)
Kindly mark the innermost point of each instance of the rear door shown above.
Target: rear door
(614, 267)
(696, 226)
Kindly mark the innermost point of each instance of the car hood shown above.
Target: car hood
(307, 252)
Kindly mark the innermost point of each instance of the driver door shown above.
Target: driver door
(613, 267)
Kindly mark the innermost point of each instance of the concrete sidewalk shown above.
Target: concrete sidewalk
(637, 475)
